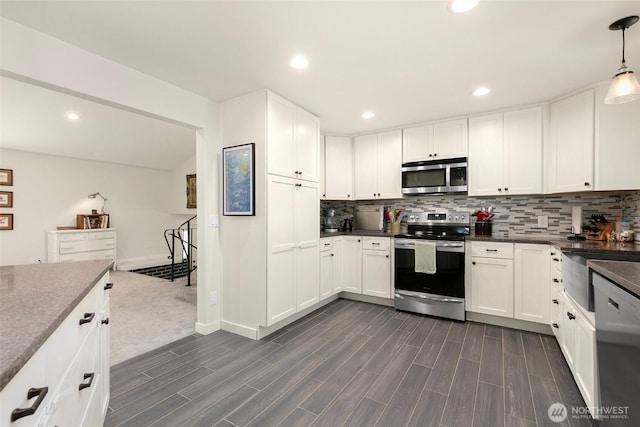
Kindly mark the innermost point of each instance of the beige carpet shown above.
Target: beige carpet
(147, 312)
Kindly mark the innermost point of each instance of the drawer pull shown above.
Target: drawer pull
(556, 281)
(90, 377)
(108, 286)
(375, 243)
(327, 244)
(18, 413)
(555, 325)
(88, 317)
(555, 301)
(105, 321)
(492, 250)
(556, 259)
(473, 262)
(570, 315)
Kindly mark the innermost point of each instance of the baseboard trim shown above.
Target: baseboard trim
(207, 328)
(366, 298)
(264, 331)
(510, 323)
(239, 329)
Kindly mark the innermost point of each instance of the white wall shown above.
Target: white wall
(49, 191)
(32, 56)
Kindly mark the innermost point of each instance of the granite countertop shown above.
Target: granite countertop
(34, 300)
(594, 246)
(624, 274)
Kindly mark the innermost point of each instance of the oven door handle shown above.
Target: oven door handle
(402, 294)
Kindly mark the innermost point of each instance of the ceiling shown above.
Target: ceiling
(408, 62)
(35, 119)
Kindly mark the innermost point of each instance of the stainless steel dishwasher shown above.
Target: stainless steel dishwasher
(618, 346)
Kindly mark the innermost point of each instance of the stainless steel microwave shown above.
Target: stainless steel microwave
(435, 176)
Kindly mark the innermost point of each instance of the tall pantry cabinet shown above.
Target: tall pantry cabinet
(270, 264)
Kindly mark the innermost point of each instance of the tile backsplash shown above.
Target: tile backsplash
(517, 215)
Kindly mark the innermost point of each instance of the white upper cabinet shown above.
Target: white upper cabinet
(450, 139)
(378, 163)
(570, 150)
(443, 140)
(617, 144)
(522, 136)
(338, 168)
(505, 153)
(485, 155)
(294, 140)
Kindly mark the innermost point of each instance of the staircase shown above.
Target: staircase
(182, 251)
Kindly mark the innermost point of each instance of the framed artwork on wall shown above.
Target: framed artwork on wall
(238, 180)
(6, 221)
(192, 200)
(6, 199)
(6, 177)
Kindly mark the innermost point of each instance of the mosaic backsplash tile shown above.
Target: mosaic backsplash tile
(517, 215)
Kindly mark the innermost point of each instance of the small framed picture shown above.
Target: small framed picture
(6, 177)
(6, 199)
(192, 200)
(6, 221)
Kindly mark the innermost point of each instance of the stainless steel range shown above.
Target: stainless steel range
(441, 293)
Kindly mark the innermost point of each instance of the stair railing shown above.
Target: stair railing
(183, 235)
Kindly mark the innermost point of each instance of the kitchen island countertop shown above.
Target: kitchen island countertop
(367, 233)
(584, 246)
(34, 300)
(625, 274)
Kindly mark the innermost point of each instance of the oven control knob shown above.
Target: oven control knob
(450, 217)
(462, 217)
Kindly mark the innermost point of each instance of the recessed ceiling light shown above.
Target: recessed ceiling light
(73, 116)
(461, 6)
(481, 91)
(299, 62)
(368, 115)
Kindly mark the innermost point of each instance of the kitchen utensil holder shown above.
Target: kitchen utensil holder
(395, 228)
(484, 228)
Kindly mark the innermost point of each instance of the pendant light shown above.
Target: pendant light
(624, 87)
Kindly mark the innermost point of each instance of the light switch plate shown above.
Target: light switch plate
(214, 220)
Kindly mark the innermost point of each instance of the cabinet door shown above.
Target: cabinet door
(281, 289)
(307, 148)
(338, 256)
(585, 361)
(352, 264)
(307, 235)
(326, 273)
(492, 286)
(568, 336)
(417, 144)
(485, 156)
(366, 167)
(338, 168)
(450, 139)
(281, 149)
(376, 273)
(523, 152)
(531, 282)
(390, 165)
(571, 144)
(617, 125)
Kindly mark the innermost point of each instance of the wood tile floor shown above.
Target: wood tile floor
(353, 364)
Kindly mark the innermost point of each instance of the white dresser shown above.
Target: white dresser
(81, 245)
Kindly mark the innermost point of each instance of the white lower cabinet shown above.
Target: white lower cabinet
(492, 286)
(71, 365)
(531, 282)
(376, 272)
(337, 263)
(352, 264)
(326, 267)
(510, 280)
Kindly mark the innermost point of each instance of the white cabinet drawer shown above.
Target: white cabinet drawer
(73, 237)
(87, 256)
(492, 250)
(102, 235)
(326, 244)
(86, 246)
(376, 243)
